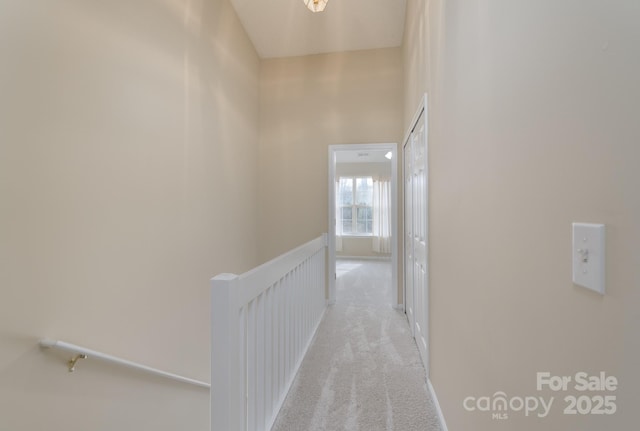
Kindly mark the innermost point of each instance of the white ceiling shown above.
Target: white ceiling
(286, 28)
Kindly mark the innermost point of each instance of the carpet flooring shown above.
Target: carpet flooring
(363, 371)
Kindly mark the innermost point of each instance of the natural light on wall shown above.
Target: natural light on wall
(316, 5)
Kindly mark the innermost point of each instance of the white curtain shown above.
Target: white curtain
(382, 215)
(338, 217)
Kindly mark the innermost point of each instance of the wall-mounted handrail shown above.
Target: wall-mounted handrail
(83, 352)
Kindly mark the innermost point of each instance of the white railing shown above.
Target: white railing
(80, 352)
(262, 324)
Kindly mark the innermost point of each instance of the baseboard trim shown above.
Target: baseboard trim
(432, 391)
(383, 258)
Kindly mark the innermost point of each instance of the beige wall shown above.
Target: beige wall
(363, 169)
(532, 127)
(359, 246)
(306, 104)
(128, 178)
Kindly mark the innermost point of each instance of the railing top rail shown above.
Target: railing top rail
(265, 275)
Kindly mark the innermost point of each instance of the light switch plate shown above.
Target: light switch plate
(588, 256)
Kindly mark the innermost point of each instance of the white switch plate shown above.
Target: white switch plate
(588, 256)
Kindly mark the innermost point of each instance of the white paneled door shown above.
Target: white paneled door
(416, 233)
(408, 235)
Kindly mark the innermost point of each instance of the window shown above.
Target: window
(355, 202)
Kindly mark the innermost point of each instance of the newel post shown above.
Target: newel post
(226, 382)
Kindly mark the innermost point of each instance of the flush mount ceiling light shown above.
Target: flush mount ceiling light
(316, 5)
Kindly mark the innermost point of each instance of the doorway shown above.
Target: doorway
(351, 221)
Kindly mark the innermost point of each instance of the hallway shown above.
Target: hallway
(363, 370)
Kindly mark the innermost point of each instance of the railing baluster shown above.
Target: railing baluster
(243, 382)
(268, 354)
(260, 360)
(251, 364)
(262, 324)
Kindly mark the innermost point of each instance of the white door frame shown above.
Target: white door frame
(333, 149)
